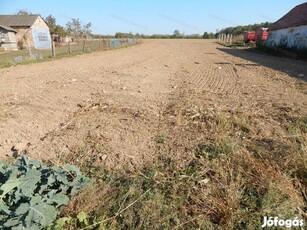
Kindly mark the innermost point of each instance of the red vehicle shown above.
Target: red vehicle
(249, 37)
(261, 35)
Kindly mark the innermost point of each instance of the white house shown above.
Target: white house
(31, 30)
(291, 30)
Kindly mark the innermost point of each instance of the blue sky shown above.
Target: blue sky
(156, 16)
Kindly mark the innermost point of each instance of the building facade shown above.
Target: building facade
(290, 31)
(292, 37)
(31, 30)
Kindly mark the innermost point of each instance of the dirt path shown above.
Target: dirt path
(119, 96)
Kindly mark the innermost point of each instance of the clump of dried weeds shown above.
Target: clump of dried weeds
(212, 169)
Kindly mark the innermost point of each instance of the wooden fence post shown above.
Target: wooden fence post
(53, 50)
(99, 44)
(106, 43)
(30, 50)
(83, 48)
(69, 48)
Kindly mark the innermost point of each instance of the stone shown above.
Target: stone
(18, 59)
(20, 148)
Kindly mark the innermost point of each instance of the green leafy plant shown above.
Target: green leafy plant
(31, 193)
(60, 223)
(161, 138)
(83, 219)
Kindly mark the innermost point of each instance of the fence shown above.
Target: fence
(230, 39)
(62, 49)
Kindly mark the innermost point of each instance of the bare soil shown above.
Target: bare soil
(123, 99)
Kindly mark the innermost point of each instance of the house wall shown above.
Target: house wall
(41, 35)
(293, 37)
(8, 40)
(24, 36)
(12, 37)
(37, 36)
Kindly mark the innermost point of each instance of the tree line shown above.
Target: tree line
(237, 30)
(177, 35)
(75, 28)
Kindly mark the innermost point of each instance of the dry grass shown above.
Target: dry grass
(216, 170)
(7, 58)
(3, 112)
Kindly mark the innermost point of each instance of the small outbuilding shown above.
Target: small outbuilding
(31, 30)
(291, 30)
(8, 38)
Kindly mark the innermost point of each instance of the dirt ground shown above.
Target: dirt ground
(123, 99)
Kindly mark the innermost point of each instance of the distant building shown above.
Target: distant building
(291, 30)
(31, 30)
(8, 38)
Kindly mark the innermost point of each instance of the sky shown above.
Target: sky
(155, 16)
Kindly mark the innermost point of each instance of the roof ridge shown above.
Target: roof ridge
(19, 20)
(301, 4)
(20, 15)
(295, 17)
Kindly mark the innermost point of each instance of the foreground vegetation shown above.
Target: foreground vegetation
(283, 51)
(31, 193)
(22, 57)
(228, 179)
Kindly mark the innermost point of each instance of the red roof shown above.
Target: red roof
(296, 17)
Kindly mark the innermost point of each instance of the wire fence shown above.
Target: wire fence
(61, 50)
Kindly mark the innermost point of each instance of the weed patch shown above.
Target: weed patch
(225, 175)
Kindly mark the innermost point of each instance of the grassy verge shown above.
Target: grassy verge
(228, 179)
(7, 59)
(283, 51)
(234, 44)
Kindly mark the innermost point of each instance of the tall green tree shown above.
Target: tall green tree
(77, 30)
(54, 28)
(86, 30)
(74, 28)
(240, 29)
(59, 30)
(177, 34)
(51, 23)
(206, 35)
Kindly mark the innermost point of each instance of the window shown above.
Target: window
(42, 37)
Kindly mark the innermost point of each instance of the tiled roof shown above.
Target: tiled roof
(8, 28)
(296, 17)
(18, 20)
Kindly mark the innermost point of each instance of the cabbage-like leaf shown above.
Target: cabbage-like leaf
(31, 193)
(30, 180)
(10, 184)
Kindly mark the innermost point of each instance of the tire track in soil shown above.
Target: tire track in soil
(43, 98)
(48, 94)
(219, 79)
